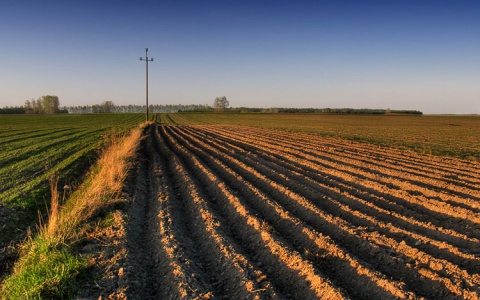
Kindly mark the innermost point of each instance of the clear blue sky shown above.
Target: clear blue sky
(403, 54)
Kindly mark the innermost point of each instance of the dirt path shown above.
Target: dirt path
(230, 212)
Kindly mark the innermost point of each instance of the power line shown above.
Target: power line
(146, 64)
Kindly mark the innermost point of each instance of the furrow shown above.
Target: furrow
(360, 201)
(167, 273)
(408, 158)
(230, 274)
(289, 272)
(359, 281)
(276, 190)
(432, 191)
(394, 199)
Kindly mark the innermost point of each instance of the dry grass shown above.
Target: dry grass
(102, 188)
(49, 228)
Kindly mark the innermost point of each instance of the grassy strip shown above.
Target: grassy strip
(48, 263)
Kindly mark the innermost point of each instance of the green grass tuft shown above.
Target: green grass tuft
(47, 272)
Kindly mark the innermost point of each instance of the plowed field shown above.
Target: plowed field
(236, 212)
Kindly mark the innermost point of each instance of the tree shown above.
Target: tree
(28, 107)
(37, 106)
(221, 103)
(108, 106)
(50, 104)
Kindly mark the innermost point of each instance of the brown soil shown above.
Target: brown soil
(230, 212)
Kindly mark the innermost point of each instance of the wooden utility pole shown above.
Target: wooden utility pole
(146, 64)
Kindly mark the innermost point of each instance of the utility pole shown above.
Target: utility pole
(146, 64)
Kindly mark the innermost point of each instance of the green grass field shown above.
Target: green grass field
(33, 148)
(456, 136)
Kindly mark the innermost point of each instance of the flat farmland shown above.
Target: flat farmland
(229, 211)
(270, 206)
(33, 148)
(456, 136)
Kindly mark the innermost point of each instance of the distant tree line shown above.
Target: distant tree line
(12, 110)
(51, 105)
(110, 107)
(339, 111)
(347, 111)
(220, 104)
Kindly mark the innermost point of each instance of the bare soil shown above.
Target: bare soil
(232, 212)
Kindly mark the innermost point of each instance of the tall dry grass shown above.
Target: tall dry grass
(50, 227)
(101, 189)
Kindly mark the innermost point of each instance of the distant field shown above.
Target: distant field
(456, 136)
(32, 148)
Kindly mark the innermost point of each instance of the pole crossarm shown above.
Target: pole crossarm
(146, 59)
